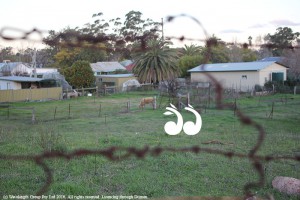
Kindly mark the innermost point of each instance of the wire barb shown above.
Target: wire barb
(127, 152)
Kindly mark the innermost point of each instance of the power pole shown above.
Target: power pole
(34, 63)
(162, 29)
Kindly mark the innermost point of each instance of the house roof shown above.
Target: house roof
(242, 66)
(129, 67)
(274, 59)
(106, 66)
(20, 79)
(116, 75)
(126, 62)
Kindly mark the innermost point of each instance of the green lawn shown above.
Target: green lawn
(98, 123)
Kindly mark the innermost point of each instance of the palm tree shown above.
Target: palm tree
(191, 50)
(158, 63)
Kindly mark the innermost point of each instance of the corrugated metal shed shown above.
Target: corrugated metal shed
(242, 66)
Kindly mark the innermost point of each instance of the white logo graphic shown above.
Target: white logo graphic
(189, 127)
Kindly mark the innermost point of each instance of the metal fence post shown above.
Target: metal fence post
(99, 114)
(127, 106)
(55, 112)
(69, 110)
(33, 116)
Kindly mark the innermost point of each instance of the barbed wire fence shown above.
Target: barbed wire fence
(140, 153)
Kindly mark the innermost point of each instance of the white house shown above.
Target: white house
(41, 72)
(14, 69)
(23, 69)
(240, 76)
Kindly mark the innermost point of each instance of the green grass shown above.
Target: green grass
(170, 174)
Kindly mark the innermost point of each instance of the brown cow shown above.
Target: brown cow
(147, 100)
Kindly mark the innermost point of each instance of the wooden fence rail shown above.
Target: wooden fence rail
(30, 94)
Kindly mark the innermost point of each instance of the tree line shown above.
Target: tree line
(140, 40)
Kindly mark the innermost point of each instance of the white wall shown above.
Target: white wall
(233, 80)
(236, 80)
(9, 85)
(266, 74)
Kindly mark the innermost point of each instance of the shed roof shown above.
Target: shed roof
(274, 59)
(20, 79)
(242, 66)
(106, 66)
(116, 75)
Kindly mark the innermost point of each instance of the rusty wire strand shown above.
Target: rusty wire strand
(91, 41)
(109, 153)
(141, 153)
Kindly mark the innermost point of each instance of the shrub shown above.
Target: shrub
(80, 74)
(278, 86)
(51, 140)
(268, 86)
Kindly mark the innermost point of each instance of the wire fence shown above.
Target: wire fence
(98, 109)
(71, 110)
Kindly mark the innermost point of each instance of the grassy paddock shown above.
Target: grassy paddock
(94, 123)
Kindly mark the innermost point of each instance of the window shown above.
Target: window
(277, 76)
(109, 83)
(244, 76)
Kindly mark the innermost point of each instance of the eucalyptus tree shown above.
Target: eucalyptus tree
(282, 39)
(102, 39)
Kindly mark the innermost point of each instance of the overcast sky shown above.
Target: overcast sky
(230, 20)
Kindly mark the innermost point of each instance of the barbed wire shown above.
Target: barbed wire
(109, 153)
(79, 40)
(23, 35)
(91, 41)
